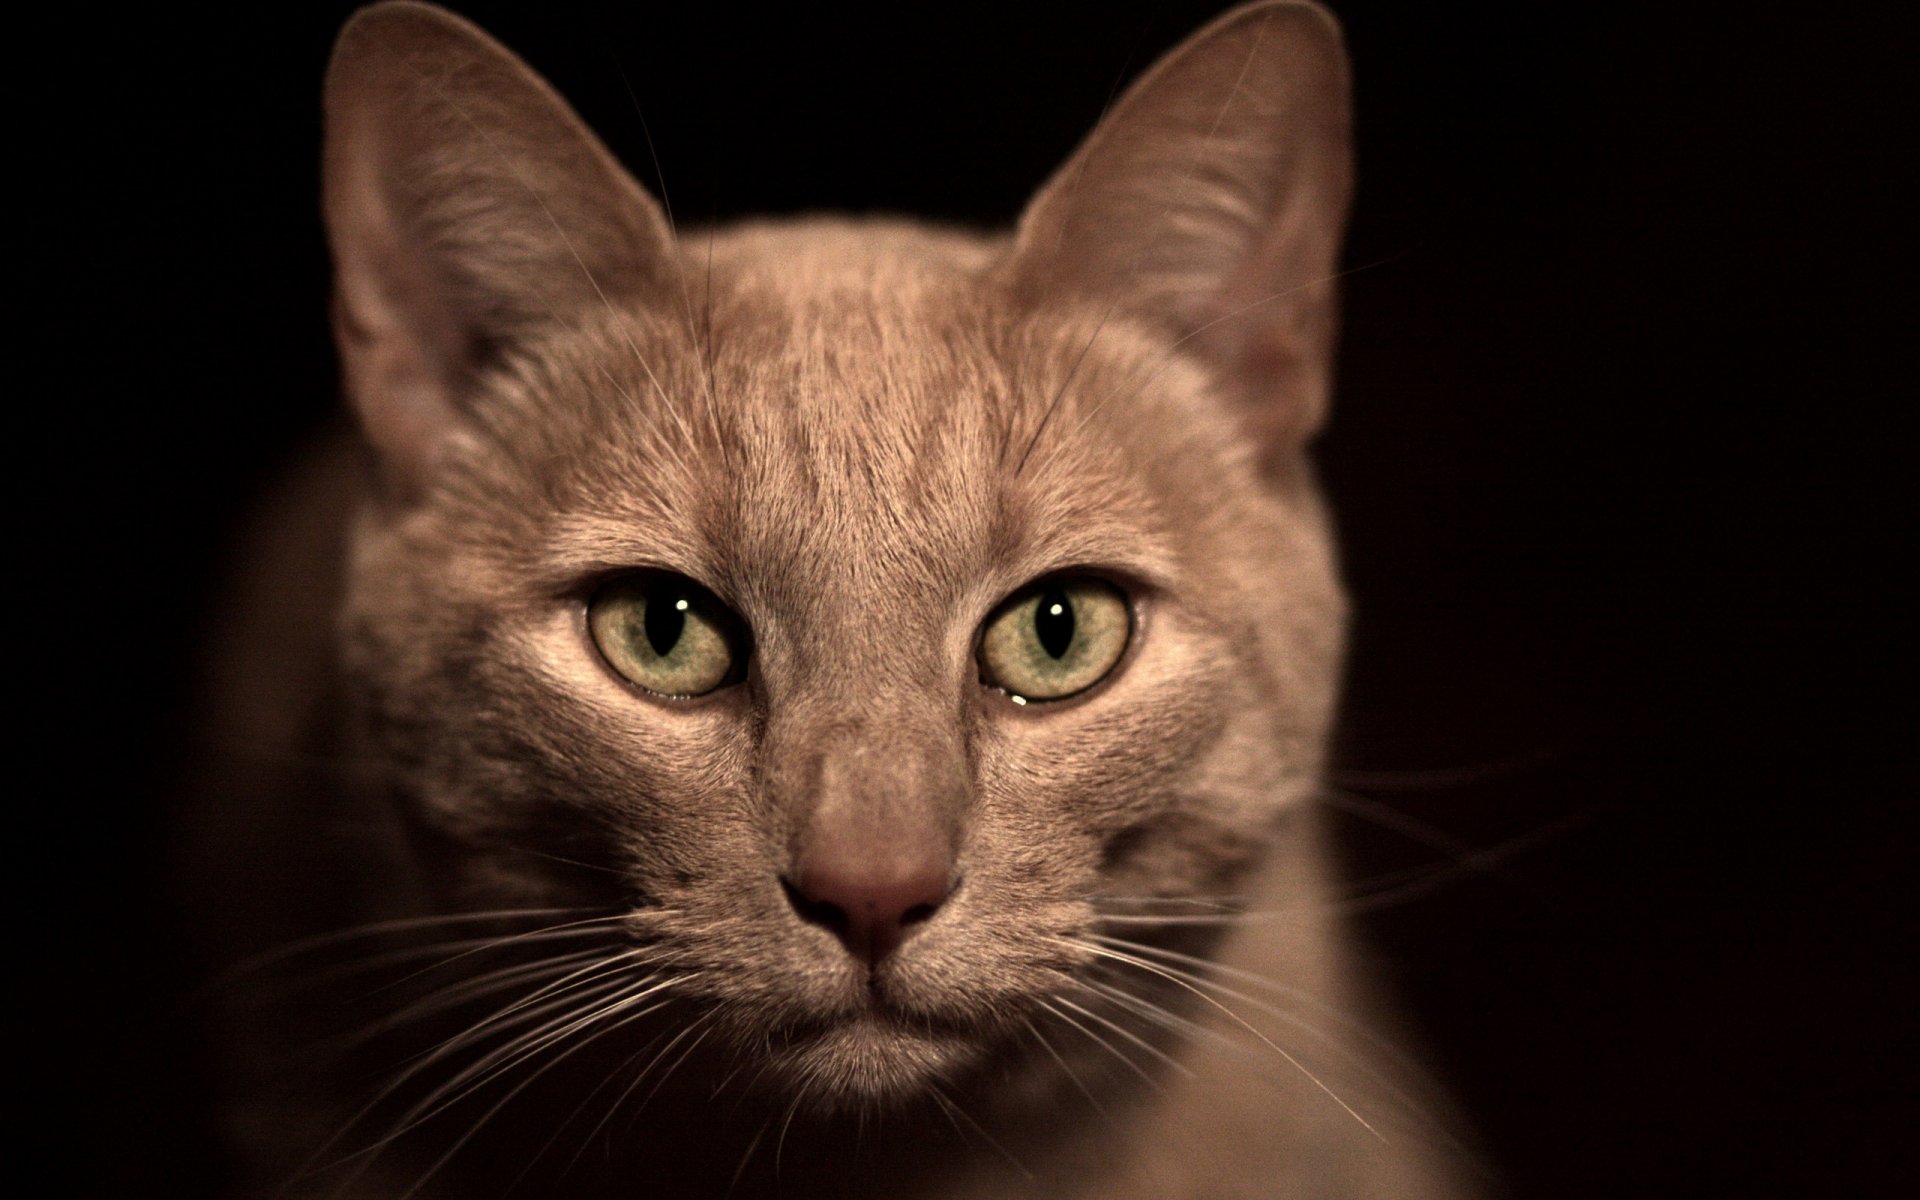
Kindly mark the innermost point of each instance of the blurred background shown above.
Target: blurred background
(1625, 763)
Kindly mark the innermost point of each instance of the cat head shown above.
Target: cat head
(857, 606)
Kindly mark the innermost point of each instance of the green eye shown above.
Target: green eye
(667, 634)
(1057, 637)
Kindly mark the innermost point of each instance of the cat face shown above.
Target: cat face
(838, 478)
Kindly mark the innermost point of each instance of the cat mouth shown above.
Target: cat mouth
(879, 1017)
(878, 1055)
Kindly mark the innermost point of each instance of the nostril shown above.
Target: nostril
(816, 912)
(870, 917)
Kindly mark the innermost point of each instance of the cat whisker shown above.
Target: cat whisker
(510, 1054)
(1390, 887)
(1169, 958)
(600, 1017)
(589, 927)
(1152, 1050)
(1438, 778)
(1159, 1016)
(956, 1114)
(703, 1023)
(1068, 1071)
(1157, 969)
(1184, 910)
(1391, 819)
(602, 1002)
(610, 1077)
(1094, 1036)
(702, 350)
(589, 975)
(463, 992)
(531, 852)
(705, 1026)
(1061, 391)
(446, 953)
(1154, 1014)
(379, 929)
(1222, 1043)
(1218, 919)
(786, 1123)
(498, 1023)
(1227, 903)
(1398, 887)
(1330, 1042)
(586, 983)
(740, 1168)
(1375, 892)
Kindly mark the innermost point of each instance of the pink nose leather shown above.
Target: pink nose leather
(871, 903)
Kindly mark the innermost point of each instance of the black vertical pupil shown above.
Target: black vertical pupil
(666, 619)
(1053, 623)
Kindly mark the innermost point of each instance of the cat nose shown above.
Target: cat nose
(870, 906)
(875, 828)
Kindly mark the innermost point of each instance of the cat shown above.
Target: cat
(841, 701)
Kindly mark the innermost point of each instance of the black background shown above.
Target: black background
(1615, 456)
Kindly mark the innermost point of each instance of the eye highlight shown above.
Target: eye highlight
(667, 634)
(1055, 638)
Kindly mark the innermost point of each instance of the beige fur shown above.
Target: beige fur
(862, 436)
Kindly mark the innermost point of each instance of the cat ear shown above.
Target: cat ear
(467, 206)
(1210, 202)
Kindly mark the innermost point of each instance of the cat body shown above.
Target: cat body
(859, 918)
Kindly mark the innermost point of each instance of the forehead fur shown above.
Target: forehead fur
(836, 406)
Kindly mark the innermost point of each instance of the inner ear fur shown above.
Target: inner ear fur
(1210, 202)
(466, 206)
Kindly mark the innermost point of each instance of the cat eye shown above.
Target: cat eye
(667, 634)
(1055, 638)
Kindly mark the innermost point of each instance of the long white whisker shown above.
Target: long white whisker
(679, 265)
(595, 984)
(1280, 989)
(1104, 1044)
(376, 929)
(448, 952)
(740, 1168)
(1408, 1068)
(517, 1013)
(579, 927)
(599, 1017)
(612, 1075)
(465, 991)
(621, 1100)
(1153, 1013)
(1136, 1039)
(1067, 1070)
(1222, 904)
(1061, 391)
(956, 1113)
(1156, 969)
(780, 1143)
(612, 1000)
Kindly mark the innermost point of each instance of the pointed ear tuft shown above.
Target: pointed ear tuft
(1211, 202)
(467, 206)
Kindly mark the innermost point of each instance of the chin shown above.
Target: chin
(870, 1062)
